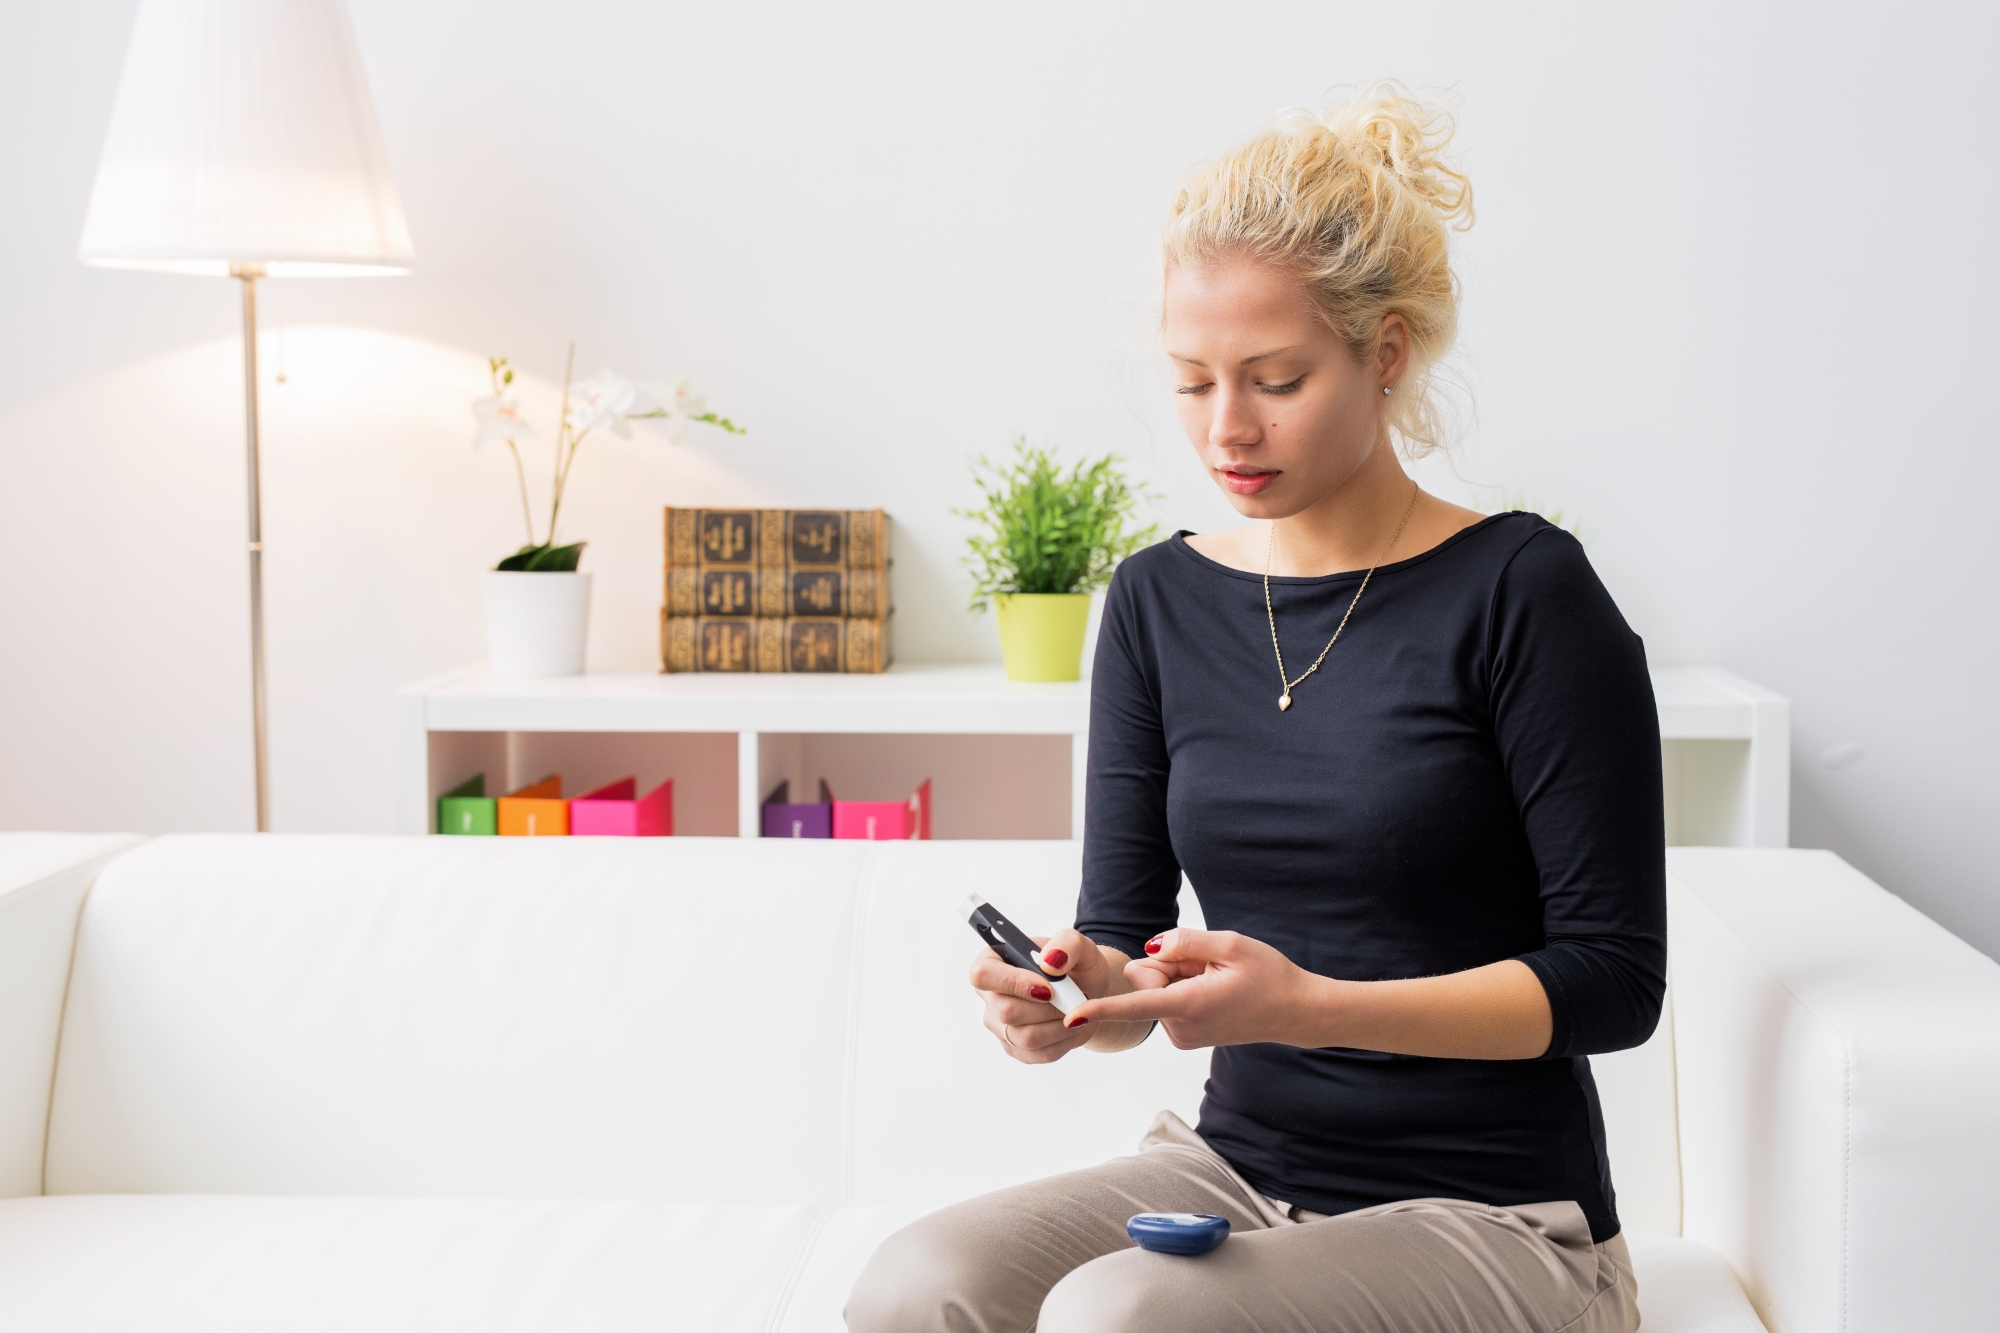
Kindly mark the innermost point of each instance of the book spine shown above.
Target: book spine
(852, 539)
(805, 644)
(791, 591)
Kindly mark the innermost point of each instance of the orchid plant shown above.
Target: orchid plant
(605, 401)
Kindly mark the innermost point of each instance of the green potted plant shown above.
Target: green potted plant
(1046, 539)
(537, 601)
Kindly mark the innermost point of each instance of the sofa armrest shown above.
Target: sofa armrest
(1837, 1057)
(43, 880)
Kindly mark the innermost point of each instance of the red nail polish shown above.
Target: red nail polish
(1153, 945)
(1056, 958)
(1076, 1022)
(1041, 992)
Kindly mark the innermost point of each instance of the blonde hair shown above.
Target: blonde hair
(1357, 201)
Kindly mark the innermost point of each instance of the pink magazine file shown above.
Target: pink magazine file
(613, 811)
(883, 821)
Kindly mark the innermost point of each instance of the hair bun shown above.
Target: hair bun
(1384, 126)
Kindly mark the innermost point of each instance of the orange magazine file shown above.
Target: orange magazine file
(537, 811)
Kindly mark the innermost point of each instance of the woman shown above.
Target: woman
(1408, 757)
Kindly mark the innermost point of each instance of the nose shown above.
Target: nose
(1234, 424)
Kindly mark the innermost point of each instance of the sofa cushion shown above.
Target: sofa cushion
(220, 1264)
(453, 1017)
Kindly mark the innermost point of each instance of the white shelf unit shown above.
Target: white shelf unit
(1726, 755)
(1007, 757)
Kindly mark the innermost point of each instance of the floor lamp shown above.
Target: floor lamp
(243, 144)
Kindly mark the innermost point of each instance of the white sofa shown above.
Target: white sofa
(599, 1084)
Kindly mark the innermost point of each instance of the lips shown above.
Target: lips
(1247, 481)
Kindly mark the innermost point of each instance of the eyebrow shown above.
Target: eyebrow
(1261, 356)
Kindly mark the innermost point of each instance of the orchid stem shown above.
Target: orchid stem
(521, 475)
(574, 446)
(562, 437)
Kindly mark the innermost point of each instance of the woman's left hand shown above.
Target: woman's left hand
(1216, 988)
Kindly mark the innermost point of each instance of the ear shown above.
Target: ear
(1392, 350)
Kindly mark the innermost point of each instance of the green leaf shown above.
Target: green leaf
(557, 559)
(544, 559)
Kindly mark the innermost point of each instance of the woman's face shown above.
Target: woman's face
(1276, 407)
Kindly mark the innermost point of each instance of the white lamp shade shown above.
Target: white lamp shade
(243, 134)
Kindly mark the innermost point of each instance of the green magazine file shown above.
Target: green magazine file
(467, 809)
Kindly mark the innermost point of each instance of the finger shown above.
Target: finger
(1019, 1013)
(1034, 1043)
(1063, 951)
(1148, 974)
(1042, 1036)
(1077, 956)
(1185, 944)
(1139, 1006)
(998, 978)
(1042, 1055)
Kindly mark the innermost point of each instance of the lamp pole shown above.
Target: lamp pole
(248, 274)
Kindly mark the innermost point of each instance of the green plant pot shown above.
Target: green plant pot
(1041, 633)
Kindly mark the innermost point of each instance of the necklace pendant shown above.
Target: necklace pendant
(1284, 701)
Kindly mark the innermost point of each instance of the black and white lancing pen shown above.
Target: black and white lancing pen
(1005, 938)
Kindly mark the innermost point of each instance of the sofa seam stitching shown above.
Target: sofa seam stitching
(96, 867)
(1846, 1180)
(851, 1040)
(781, 1302)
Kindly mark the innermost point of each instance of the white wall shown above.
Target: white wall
(1730, 299)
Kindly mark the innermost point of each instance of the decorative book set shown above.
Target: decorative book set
(871, 821)
(539, 811)
(802, 590)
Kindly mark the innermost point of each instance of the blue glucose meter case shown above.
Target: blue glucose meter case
(1178, 1233)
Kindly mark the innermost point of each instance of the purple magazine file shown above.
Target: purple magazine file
(786, 819)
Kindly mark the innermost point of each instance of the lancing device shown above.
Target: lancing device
(1178, 1233)
(1005, 938)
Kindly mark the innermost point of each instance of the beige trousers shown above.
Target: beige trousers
(1052, 1255)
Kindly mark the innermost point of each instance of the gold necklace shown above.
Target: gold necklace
(1270, 542)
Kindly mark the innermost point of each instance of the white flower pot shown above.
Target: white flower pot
(536, 623)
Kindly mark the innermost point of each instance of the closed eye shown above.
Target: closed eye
(1290, 387)
(1196, 389)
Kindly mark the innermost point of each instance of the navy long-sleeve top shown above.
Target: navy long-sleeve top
(1472, 776)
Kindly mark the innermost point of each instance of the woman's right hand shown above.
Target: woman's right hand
(1017, 1010)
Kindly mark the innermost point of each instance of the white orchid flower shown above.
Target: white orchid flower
(679, 405)
(605, 401)
(499, 421)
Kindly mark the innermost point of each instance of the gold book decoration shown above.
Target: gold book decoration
(777, 538)
(795, 591)
(805, 644)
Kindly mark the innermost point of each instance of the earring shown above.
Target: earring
(1385, 391)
